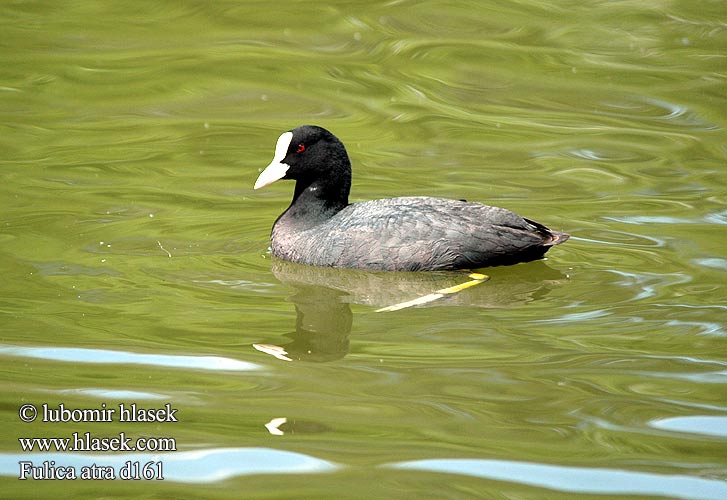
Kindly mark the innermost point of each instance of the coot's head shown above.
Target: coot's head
(313, 157)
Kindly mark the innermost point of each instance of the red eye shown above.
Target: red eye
(301, 148)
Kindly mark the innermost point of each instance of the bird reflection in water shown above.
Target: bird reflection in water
(322, 299)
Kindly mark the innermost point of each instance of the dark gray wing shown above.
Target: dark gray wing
(413, 233)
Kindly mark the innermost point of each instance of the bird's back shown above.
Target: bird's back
(415, 233)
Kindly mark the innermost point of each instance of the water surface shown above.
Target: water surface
(134, 262)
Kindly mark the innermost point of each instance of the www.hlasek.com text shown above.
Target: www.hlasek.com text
(87, 442)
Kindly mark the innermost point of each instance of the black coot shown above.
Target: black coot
(417, 233)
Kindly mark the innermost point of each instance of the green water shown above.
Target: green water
(134, 264)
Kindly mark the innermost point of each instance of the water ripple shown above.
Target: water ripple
(712, 425)
(713, 263)
(120, 394)
(714, 218)
(80, 355)
(649, 283)
(597, 481)
(657, 110)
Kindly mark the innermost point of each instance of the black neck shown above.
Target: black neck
(317, 201)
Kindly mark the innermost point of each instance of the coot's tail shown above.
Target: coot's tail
(552, 238)
(557, 238)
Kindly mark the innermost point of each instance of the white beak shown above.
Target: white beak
(277, 169)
